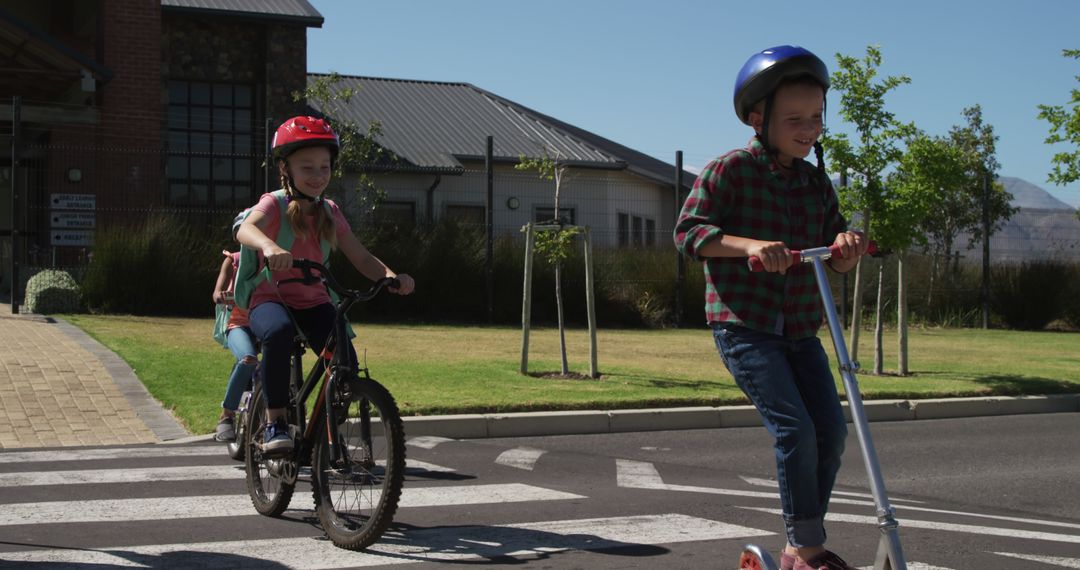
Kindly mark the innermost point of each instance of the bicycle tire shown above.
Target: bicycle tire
(356, 500)
(269, 490)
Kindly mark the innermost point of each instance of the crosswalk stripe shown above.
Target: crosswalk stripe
(912, 566)
(144, 475)
(461, 543)
(1058, 561)
(520, 457)
(164, 508)
(952, 527)
(114, 453)
(427, 441)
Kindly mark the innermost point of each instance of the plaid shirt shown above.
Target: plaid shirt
(743, 193)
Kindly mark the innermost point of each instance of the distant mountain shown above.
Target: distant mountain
(1029, 196)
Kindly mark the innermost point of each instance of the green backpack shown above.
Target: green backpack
(248, 273)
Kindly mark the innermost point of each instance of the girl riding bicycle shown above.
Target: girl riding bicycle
(240, 343)
(304, 149)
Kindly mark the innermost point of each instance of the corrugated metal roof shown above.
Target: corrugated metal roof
(433, 124)
(299, 11)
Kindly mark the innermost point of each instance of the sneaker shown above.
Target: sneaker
(276, 439)
(787, 561)
(226, 430)
(824, 561)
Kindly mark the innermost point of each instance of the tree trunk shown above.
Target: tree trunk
(856, 302)
(562, 327)
(901, 315)
(879, 365)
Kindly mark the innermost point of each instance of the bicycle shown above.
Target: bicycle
(354, 441)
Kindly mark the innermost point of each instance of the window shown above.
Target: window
(624, 229)
(396, 214)
(466, 215)
(635, 230)
(210, 147)
(544, 214)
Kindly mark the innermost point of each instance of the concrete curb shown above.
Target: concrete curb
(474, 426)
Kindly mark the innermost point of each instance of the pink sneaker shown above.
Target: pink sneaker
(787, 561)
(824, 561)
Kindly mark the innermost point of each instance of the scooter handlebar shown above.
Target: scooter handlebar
(797, 256)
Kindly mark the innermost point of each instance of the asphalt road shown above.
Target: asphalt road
(970, 494)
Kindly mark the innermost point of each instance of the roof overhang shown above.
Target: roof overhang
(304, 13)
(34, 57)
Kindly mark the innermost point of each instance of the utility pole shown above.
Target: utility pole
(986, 252)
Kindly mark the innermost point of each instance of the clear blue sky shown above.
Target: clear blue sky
(657, 76)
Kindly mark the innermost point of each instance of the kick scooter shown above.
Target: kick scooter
(890, 555)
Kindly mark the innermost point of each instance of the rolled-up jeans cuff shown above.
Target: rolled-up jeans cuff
(804, 532)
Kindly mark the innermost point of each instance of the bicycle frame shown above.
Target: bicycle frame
(332, 366)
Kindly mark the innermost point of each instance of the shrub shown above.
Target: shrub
(53, 291)
(1030, 295)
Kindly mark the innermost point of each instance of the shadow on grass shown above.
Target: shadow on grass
(1019, 385)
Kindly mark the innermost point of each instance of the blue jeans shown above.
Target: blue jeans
(272, 326)
(242, 345)
(792, 387)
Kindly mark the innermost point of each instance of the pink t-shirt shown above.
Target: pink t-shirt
(295, 295)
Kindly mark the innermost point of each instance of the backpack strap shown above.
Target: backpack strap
(249, 274)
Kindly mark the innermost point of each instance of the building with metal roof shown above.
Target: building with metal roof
(437, 132)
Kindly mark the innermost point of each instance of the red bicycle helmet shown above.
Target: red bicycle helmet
(301, 132)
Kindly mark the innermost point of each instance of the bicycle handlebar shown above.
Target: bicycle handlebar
(798, 256)
(307, 266)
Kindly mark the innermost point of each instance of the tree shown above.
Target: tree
(1065, 128)
(878, 133)
(360, 152)
(930, 168)
(554, 245)
(959, 208)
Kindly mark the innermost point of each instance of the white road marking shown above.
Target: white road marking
(424, 466)
(951, 527)
(1052, 560)
(427, 441)
(112, 453)
(771, 483)
(116, 510)
(464, 543)
(520, 457)
(641, 475)
(143, 475)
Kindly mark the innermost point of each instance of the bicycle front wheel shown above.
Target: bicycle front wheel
(356, 494)
(270, 480)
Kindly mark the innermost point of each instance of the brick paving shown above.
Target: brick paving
(59, 387)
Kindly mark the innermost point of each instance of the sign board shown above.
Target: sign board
(72, 220)
(72, 237)
(72, 201)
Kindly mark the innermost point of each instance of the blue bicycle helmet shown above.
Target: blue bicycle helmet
(764, 71)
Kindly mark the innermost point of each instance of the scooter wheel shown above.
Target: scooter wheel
(753, 558)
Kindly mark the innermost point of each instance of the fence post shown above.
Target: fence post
(526, 299)
(680, 268)
(16, 283)
(489, 255)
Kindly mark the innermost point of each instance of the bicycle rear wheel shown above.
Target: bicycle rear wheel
(270, 480)
(357, 495)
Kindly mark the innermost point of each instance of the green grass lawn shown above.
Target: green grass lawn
(443, 369)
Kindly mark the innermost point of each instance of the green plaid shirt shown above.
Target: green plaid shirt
(743, 193)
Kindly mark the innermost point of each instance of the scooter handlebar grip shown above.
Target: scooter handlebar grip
(756, 266)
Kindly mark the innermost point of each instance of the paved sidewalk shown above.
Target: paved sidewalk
(60, 387)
